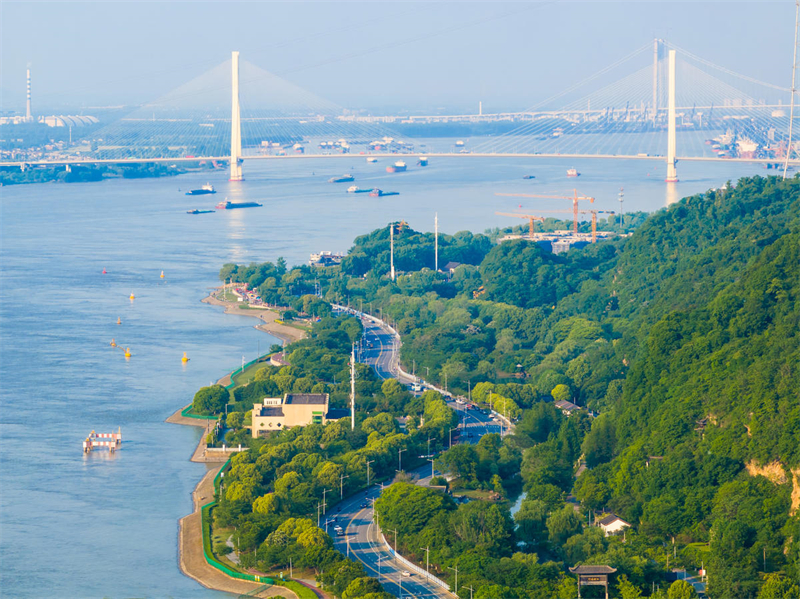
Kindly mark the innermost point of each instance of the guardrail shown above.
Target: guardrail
(414, 567)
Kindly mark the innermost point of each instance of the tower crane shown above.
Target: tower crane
(574, 197)
(594, 214)
(530, 217)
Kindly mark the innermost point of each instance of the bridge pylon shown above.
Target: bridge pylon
(672, 172)
(236, 122)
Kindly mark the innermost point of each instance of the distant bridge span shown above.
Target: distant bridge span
(184, 159)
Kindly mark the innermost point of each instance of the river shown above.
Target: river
(106, 526)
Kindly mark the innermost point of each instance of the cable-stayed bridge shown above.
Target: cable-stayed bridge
(659, 102)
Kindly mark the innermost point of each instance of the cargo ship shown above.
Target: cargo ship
(357, 189)
(423, 161)
(196, 211)
(226, 205)
(205, 189)
(343, 179)
(379, 193)
(573, 173)
(397, 167)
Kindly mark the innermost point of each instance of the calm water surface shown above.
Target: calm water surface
(100, 526)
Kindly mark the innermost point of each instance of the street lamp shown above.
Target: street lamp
(368, 463)
(399, 459)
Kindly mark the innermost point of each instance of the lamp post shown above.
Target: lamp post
(341, 485)
(455, 569)
(399, 459)
(427, 551)
(451, 436)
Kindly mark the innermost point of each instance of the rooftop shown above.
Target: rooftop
(592, 570)
(610, 519)
(270, 411)
(306, 398)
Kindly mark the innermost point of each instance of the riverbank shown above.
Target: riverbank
(190, 537)
(284, 332)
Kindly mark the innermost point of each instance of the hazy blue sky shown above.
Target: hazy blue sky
(370, 54)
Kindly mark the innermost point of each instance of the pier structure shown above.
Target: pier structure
(97, 440)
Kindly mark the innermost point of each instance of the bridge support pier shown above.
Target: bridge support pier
(236, 123)
(672, 172)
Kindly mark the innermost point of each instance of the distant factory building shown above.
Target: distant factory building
(68, 121)
(293, 409)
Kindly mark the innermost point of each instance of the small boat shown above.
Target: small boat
(356, 189)
(196, 211)
(573, 173)
(343, 179)
(226, 205)
(205, 189)
(372, 159)
(379, 193)
(529, 177)
(397, 167)
(459, 144)
(423, 161)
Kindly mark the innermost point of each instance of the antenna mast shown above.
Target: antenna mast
(391, 248)
(353, 388)
(794, 89)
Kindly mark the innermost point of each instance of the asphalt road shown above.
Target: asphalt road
(380, 349)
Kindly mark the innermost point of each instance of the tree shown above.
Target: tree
(627, 590)
(562, 524)
(461, 461)
(680, 589)
(210, 400)
(360, 587)
(600, 444)
(531, 519)
(561, 392)
(266, 505)
(778, 586)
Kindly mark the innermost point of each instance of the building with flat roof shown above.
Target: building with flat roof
(293, 409)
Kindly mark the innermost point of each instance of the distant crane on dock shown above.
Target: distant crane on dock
(532, 218)
(574, 197)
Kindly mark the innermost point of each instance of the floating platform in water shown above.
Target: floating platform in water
(98, 440)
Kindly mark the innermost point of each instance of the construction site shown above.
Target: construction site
(562, 240)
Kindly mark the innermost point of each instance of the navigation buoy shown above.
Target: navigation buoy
(127, 352)
(133, 297)
(162, 274)
(119, 320)
(104, 271)
(185, 358)
(113, 343)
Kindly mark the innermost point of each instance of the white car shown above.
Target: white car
(406, 573)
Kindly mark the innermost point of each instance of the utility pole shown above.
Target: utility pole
(431, 460)
(324, 503)
(427, 551)
(353, 389)
(470, 591)
(455, 569)
(341, 485)
(451, 437)
(395, 541)
(399, 459)
(436, 241)
(368, 463)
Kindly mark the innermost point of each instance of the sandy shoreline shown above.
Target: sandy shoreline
(190, 537)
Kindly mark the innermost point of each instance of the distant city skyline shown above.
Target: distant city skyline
(383, 57)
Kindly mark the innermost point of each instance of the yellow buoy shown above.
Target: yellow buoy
(127, 352)
(162, 274)
(119, 320)
(133, 297)
(185, 358)
(113, 343)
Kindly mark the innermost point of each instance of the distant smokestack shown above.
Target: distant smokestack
(28, 111)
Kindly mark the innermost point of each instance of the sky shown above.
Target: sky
(385, 57)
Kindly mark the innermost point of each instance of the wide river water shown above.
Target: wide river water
(106, 526)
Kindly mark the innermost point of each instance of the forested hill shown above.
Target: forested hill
(681, 338)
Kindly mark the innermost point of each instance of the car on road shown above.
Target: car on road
(339, 531)
(406, 573)
(363, 505)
